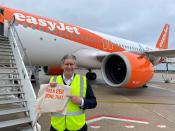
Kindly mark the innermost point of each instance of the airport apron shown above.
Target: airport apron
(75, 117)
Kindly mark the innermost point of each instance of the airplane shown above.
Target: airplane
(123, 63)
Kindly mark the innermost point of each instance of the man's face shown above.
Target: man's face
(69, 66)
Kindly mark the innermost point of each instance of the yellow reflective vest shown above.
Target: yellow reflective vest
(75, 116)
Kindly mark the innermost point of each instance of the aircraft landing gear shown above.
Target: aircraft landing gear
(35, 75)
(91, 75)
(145, 86)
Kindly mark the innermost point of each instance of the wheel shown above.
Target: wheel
(91, 76)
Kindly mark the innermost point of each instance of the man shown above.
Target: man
(82, 98)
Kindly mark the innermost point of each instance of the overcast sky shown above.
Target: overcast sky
(136, 20)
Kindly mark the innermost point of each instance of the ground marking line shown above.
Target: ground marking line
(115, 118)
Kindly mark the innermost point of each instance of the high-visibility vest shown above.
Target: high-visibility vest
(75, 116)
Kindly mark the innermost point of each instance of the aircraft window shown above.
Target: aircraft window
(91, 40)
(33, 27)
(87, 38)
(40, 28)
(55, 39)
(41, 38)
(77, 36)
(94, 40)
(82, 38)
(54, 32)
(61, 33)
(71, 35)
(25, 25)
(48, 30)
(66, 34)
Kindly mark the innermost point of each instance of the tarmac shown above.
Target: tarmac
(144, 109)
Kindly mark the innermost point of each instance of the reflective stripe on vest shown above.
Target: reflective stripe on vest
(68, 113)
(74, 119)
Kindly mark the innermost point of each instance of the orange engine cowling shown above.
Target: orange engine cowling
(53, 70)
(127, 70)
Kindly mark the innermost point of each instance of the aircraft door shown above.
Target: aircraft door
(1, 22)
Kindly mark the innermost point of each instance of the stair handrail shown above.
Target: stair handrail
(23, 74)
(23, 50)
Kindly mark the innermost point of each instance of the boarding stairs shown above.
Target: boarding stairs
(17, 97)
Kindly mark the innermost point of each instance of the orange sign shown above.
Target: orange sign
(53, 93)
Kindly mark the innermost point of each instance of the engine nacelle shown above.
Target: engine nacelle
(127, 70)
(53, 70)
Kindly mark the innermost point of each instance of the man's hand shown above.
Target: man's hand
(75, 99)
(53, 84)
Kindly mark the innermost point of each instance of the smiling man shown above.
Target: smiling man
(82, 98)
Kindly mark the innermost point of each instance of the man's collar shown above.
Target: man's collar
(72, 77)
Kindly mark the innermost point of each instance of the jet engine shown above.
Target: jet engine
(127, 70)
(53, 70)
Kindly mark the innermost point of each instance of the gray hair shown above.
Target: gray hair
(68, 56)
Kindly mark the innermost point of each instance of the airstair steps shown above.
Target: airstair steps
(11, 93)
(14, 85)
(5, 44)
(3, 37)
(4, 40)
(1, 54)
(6, 63)
(5, 50)
(14, 73)
(12, 101)
(14, 109)
(9, 68)
(7, 59)
(14, 122)
(5, 47)
(9, 79)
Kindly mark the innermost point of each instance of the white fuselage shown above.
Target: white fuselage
(46, 49)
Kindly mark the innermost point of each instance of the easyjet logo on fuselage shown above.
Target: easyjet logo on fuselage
(51, 25)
